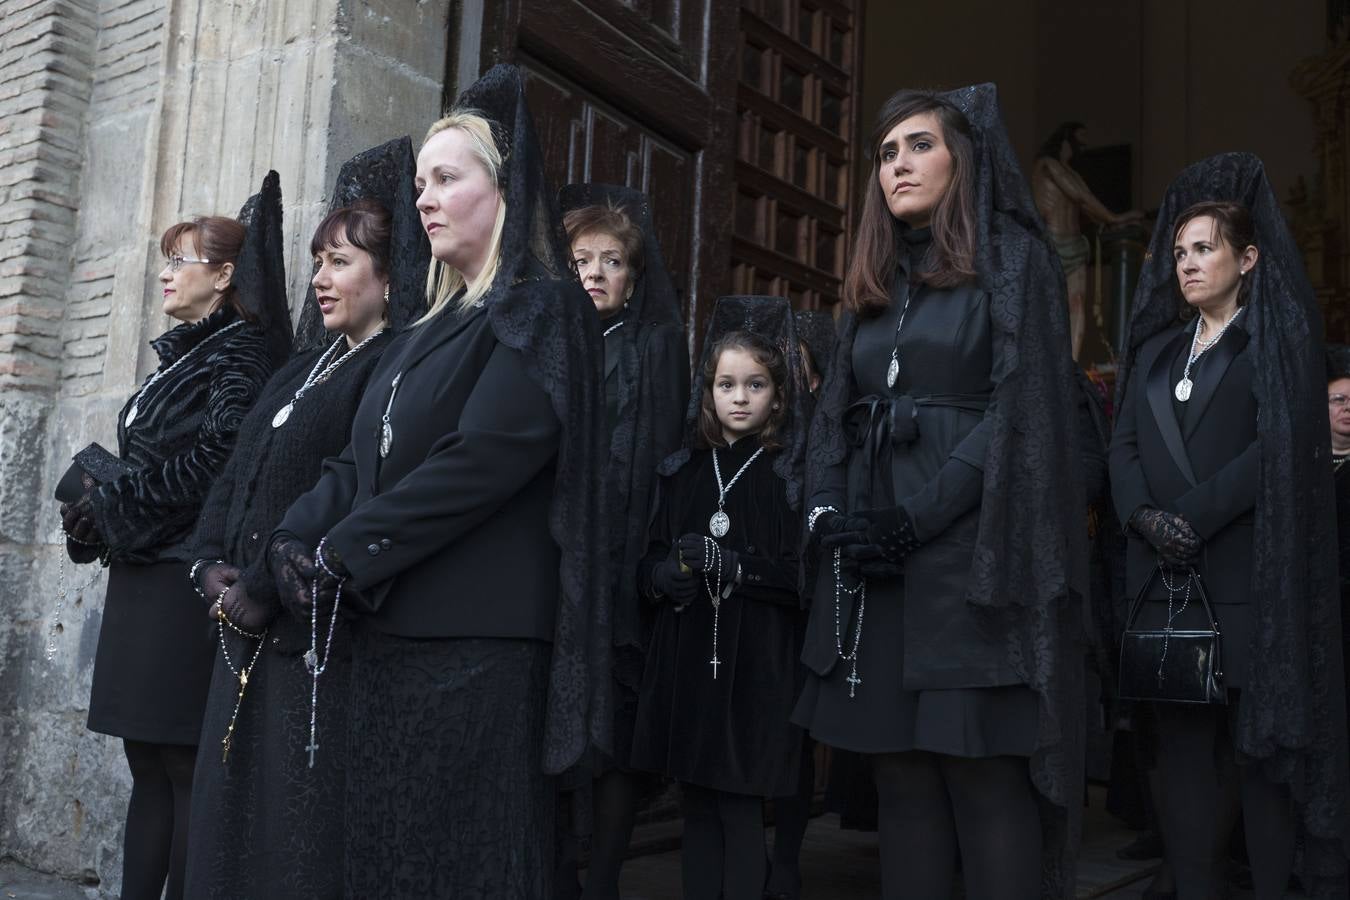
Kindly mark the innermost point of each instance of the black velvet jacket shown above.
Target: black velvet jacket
(184, 429)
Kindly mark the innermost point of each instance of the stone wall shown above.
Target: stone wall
(118, 118)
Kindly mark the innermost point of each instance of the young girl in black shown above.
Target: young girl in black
(721, 672)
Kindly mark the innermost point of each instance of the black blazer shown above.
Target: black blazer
(1205, 469)
(447, 536)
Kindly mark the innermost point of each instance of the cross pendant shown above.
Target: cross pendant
(853, 681)
(714, 662)
(310, 749)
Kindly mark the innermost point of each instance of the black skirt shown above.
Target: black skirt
(445, 793)
(155, 651)
(265, 824)
(882, 717)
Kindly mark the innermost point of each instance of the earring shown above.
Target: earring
(775, 407)
(386, 295)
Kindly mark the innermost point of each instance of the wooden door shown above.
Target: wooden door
(642, 93)
(799, 80)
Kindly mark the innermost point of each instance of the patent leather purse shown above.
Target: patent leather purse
(1172, 650)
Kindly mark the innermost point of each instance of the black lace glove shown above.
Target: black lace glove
(215, 579)
(1168, 533)
(700, 554)
(246, 613)
(331, 572)
(78, 521)
(293, 569)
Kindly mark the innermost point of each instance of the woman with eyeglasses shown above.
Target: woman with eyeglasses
(153, 663)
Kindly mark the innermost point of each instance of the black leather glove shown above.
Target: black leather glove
(701, 555)
(834, 529)
(891, 529)
(1168, 533)
(215, 579)
(246, 613)
(293, 569)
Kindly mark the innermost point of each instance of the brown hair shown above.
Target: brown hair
(365, 225)
(611, 220)
(873, 263)
(1235, 227)
(217, 238)
(768, 356)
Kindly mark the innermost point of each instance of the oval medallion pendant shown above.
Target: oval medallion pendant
(719, 524)
(386, 439)
(1183, 391)
(282, 415)
(892, 372)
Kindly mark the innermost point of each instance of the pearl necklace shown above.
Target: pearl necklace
(136, 401)
(1185, 385)
(325, 367)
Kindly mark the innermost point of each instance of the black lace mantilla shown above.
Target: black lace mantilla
(383, 174)
(260, 271)
(648, 401)
(1292, 715)
(537, 306)
(1029, 573)
(770, 318)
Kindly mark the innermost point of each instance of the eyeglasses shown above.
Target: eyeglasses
(176, 262)
(1338, 401)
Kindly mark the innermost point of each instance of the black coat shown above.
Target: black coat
(447, 536)
(1204, 466)
(948, 370)
(731, 733)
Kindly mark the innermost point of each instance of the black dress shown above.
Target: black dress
(930, 677)
(730, 733)
(264, 823)
(155, 648)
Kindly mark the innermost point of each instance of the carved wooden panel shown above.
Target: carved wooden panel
(796, 105)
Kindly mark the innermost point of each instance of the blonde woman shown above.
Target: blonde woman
(459, 532)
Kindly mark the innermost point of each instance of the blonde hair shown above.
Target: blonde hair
(443, 280)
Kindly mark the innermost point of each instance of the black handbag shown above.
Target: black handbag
(98, 463)
(1163, 662)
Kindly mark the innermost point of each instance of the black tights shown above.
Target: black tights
(155, 844)
(791, 814)
(615, 804)
(930, 804)
(1195, 759)
(722, 853)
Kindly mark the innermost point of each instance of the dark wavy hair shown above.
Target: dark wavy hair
(773, 361)
(867, 284)
(1234, 222)
(365, 224)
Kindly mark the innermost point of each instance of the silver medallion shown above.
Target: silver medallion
(1183, 391)
(892, 372)
(311, 660)
(719, 524)
(131, 416)
(386, 439)
(282, 415)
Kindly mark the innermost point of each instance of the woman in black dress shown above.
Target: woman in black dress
(646, 386)
(1220, 465)
(154, 653)
(948, 506)
(722, 570)
(263, 823)
(461, 532)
